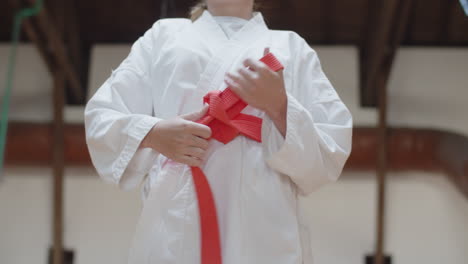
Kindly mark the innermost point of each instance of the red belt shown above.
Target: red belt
(226, 122)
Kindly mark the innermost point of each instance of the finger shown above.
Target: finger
(199, 142)
(188, 160)
(250, 76)
(200, 130)
(239, 79)
(235, 87)
(231, 83)
(256, 65)
(195, 152)
(281, 73)
(266, 51)
(195, 115)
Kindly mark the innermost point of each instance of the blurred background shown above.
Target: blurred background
(401, 66)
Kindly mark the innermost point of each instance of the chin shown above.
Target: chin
(229, 2)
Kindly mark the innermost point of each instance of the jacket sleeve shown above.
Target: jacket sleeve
(119, 116)
(319, 127)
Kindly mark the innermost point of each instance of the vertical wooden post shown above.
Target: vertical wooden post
(58, 149)
(49, 38)
(58, 166)
(387, 24)
(381, 169)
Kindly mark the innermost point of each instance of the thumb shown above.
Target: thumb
(196, 115)
(281, 73)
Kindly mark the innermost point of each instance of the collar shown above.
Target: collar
(212, 31)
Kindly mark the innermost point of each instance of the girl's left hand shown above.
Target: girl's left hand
(260, 87)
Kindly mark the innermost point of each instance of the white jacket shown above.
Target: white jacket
(255, 185)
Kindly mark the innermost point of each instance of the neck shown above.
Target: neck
(245, 12)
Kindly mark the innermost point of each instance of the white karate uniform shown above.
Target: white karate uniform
(255, 185)
(230, 25)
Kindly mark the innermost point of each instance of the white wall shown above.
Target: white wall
(32, 88)
(427, 217)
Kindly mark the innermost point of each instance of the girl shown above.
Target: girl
(140, 127)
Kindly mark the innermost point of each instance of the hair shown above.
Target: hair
(197, 10)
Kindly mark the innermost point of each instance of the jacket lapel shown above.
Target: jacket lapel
(226, 52)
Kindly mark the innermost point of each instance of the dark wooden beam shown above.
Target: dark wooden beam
(326, 21)
(376, 47)
(409, 149)
(64, 15)
(447, 14)
(99, 25)
(30, 144)
(33, 34)
(387, 25)
(364, 49)
(72, 33)
(410, 25)
(58, 50)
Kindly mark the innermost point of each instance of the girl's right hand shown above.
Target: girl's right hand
(180, 139)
